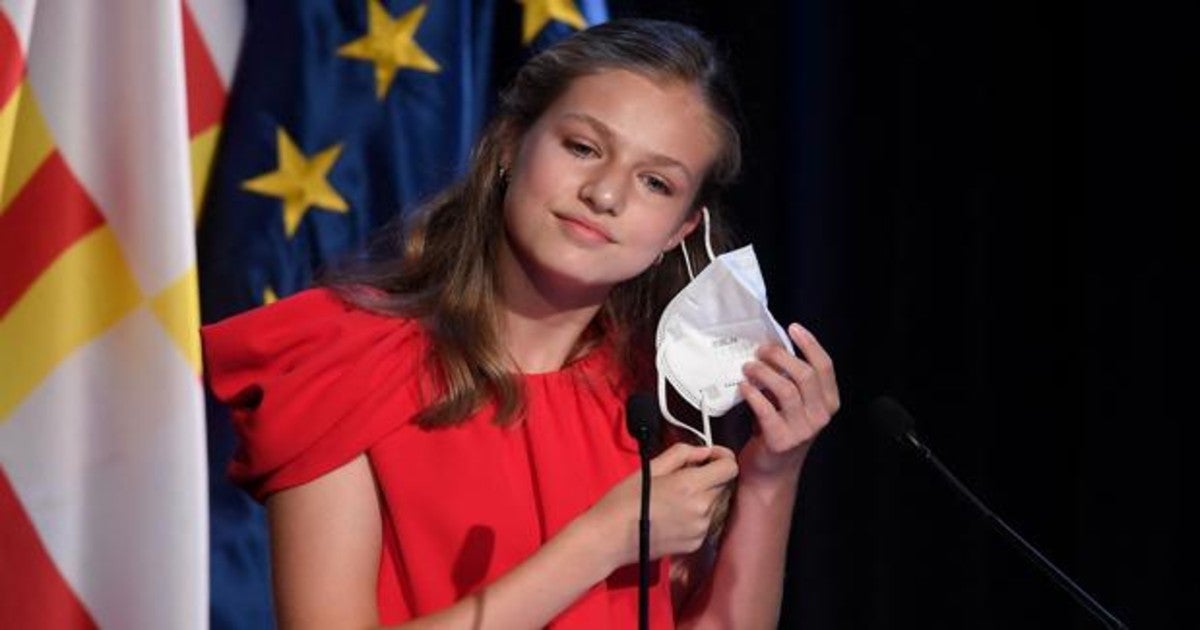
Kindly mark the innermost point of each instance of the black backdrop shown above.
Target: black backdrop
(976, 206)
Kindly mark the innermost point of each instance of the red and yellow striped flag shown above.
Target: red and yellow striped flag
(102, 470)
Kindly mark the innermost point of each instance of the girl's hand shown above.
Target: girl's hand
(793, 398)
(687, 482)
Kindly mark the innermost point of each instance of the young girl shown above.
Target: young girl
(439, 438)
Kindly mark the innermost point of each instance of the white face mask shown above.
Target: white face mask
(710, 330)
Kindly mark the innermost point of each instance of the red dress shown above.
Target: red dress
(313, 382)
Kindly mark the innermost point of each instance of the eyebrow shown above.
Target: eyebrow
(609, 134)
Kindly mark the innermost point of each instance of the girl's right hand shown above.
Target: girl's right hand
(687, 483)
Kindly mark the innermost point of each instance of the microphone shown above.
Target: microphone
(897, 423)
(641, 420)
(641, 417)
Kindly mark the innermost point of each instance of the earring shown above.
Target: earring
(658, 261)
(503, 173)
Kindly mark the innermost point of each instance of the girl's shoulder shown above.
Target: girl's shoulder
(311, 381)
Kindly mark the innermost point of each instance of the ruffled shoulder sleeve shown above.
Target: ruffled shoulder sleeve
(312, 382)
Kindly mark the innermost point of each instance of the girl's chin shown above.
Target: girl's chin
(572, 275)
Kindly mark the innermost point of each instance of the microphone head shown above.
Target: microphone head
(641, 415)
(891, 417)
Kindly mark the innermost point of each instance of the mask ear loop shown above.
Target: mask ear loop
(708, 234)
(662, 406)
(687, 259)
(707, 244)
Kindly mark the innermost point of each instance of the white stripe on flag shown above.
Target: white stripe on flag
(221, 23)
(110, 79)
(104, 457)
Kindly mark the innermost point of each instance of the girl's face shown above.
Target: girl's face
(603, 182)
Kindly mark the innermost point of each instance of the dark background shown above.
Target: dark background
(977, 206)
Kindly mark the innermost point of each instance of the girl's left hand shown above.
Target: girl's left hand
(793, 399)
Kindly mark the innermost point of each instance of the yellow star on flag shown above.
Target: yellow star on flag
(300, 182)
(390, 45)
(539, 12)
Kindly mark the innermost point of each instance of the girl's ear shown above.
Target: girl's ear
(689, 224)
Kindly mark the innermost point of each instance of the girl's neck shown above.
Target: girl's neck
(541, 327)
(542, 344)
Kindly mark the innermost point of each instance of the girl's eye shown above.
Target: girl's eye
(657, 184)
(579, 149)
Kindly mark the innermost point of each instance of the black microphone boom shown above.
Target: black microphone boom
(895, 421)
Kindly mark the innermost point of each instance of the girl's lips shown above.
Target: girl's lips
(585, 230)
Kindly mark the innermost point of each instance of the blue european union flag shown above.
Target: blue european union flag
(342, 115)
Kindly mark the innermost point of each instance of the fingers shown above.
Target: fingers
(679, 456)
(768, 416)
(685, 500)
(722, 452)
(796, 411)
(820, 361)
(719, 470)
(788, 379)
(793, 397)
(811, 375)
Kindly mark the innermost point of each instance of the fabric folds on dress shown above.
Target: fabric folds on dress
(313, 382)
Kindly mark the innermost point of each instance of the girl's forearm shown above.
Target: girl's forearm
(746, 587)
(534, 592)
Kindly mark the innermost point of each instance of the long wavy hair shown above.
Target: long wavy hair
(440, 266)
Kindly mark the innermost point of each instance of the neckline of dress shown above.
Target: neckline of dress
(571, 368)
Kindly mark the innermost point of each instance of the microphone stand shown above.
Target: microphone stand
(1033, 555)
(643, 439)
(641, 418)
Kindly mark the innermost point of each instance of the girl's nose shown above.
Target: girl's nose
(604, 193)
